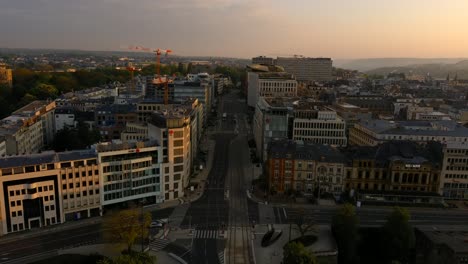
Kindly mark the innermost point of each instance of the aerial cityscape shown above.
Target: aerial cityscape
(234, 131)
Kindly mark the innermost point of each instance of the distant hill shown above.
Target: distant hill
(436, 70)
(370, 64)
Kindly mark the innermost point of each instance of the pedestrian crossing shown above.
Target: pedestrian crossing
(203, 233)
(221, 257)
(158, 244)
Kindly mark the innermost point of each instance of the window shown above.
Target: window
(166, 178)
(64, 186)
(52, 207)
(20, 213)
(176, 185)
(13, 214)
(39, 189)
(12, 203)
(47, 208)
(18, 203)
(12, 193)
(46, 198)
(51, 197)
(17, 192)
(90, 183)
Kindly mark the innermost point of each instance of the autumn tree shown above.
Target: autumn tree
(296, 253)
(129, 225)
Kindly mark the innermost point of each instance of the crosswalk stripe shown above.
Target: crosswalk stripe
(204, 233)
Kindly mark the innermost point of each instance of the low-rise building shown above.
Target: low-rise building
(397, 169)
(374, 132)
(29, 128)
(304, 167)
(441, 245)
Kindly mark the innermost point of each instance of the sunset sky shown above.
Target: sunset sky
(243, 28)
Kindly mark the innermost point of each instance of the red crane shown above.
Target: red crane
(157, 80)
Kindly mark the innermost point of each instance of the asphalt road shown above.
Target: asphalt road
(223, 205)
(370, 216)
(58, 238)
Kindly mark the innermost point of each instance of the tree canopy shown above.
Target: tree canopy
(399, 233)
(296, 253)
(345, 226)
(127, 226)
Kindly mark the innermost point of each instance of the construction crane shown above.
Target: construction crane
(158, 80)
(131, 69)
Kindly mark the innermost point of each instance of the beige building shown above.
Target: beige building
(172, 131)
(6, 76)
(454, 175)
(48, 188)
(135, 131)
(29, 128)
(307, 69)
(79, 184)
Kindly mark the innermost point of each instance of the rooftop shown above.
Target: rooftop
(457, 240)
(305, 151)
(422, 128)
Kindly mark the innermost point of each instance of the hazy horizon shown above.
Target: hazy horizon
(241, 28)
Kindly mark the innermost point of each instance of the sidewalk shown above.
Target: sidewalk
(207, 145)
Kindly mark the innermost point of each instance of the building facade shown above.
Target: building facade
(304, 167)
(318, 124)
(454, 175)
(270, 84)
(130, 172)
(172, 131)
(307, 69)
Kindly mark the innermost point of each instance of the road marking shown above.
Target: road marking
(284, 211)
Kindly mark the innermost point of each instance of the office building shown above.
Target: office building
(271, 121)
(373, 132)
(29, 128)
(263, 60)
(307, 69)
(172, 130)
(454, 175)
(318, 124)
(112, 119)
(48, 188)
(270, 84)
(130, 172)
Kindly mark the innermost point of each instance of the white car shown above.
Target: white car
(156, 224)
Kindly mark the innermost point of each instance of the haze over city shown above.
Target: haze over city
(240, 28)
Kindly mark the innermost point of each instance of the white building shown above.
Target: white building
(270, 84)
(318, 124)
(64, 117)
(307, 69)
(130, 172)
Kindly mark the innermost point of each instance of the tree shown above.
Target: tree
(304, 223)
(399, 235)
(128, 225)
(296, 253)
(44, 91)
(345, 228)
